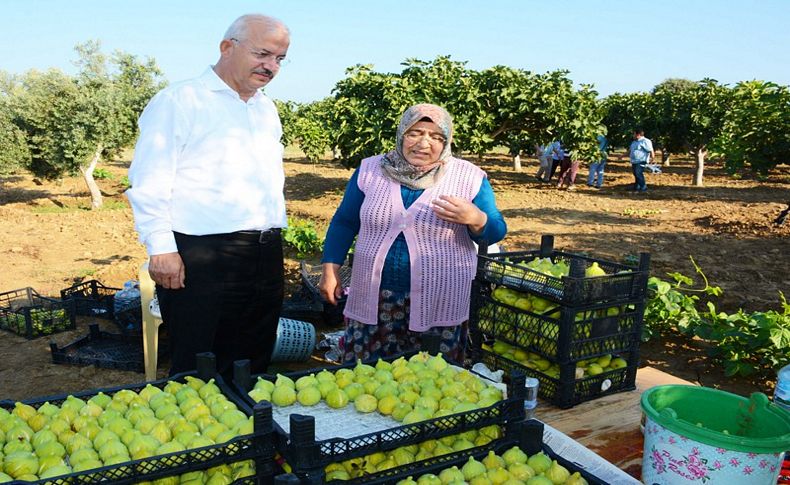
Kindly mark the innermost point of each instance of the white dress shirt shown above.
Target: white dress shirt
(206, 162)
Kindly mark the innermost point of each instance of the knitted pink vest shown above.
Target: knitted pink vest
(441, 253)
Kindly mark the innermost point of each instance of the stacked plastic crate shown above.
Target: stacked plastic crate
(573, 322)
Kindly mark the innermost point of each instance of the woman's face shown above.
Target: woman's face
(423, 143)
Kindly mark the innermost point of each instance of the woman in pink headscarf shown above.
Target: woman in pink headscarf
(416, 212)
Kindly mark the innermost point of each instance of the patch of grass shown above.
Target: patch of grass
(631, 259)
(630, 211)
(108, 205)
(302, 236)
(85, 272)
(112, 205)
(54, 209)
(125, 182)
(102, 174)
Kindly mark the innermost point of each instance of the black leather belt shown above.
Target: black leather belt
(255, 236)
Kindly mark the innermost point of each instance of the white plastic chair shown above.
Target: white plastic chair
(151, 321)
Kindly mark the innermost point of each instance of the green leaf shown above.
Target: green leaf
(780, 337)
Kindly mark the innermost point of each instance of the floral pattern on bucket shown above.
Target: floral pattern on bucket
(675, 459)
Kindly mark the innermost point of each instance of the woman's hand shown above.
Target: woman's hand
(455, 209)
(330, 283)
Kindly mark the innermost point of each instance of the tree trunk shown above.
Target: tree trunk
(517, 163)
(665, 158)
(87, 174)
(700, 153)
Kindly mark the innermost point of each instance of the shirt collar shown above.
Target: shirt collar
(215, 83)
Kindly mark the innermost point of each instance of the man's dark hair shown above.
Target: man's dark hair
(639, 131)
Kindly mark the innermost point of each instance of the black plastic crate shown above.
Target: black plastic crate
(566, 391)
(31, 315)
(306, 455)
(257, 446)
(303, 307)
(621, 283)
(311, 274)
(558, 333)
(91, 299)
(528, 437)
(102, 349)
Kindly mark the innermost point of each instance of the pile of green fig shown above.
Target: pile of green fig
(513, 467)
(380, 461)
(80, 435)
(413, 390)
(584, 368)
(540, 266)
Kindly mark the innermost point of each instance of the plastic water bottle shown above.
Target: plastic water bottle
(782, 391)
(128, 298)
(531, 398)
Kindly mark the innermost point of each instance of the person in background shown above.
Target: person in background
(568, 170)
(595, 178)
(416, 212)
(207, 195)
(557, 156)
(640, 153)
(545, 156)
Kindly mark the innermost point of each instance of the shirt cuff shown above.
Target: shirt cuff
(161, 243)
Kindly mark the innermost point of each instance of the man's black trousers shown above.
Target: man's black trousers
(231, 301)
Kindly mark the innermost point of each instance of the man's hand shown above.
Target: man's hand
(455, 209)
(330, 283)
(167, 270)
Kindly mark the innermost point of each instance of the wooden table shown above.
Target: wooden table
(609, 426)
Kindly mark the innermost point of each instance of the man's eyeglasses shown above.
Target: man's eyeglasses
(263, 55)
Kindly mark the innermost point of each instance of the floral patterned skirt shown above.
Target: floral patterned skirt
(392, 335)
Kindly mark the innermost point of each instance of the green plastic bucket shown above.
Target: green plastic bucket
(701, 435)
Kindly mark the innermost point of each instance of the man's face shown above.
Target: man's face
(255, 60)
(637, 136)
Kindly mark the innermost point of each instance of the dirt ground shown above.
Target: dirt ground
(50, 240)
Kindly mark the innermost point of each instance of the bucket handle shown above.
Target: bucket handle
(758, 400)
(669, 413)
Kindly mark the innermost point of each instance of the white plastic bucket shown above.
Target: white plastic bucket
(295, 341)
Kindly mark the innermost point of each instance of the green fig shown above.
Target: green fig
(576, 479)
(492, 461)
(557, 473)
(472, 468)
(539, 480)
(539, 462)
(305, 381)
(514, 455)
(284, 381)
(208, 389)
(284, 394)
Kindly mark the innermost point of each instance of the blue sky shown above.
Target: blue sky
(615, 45)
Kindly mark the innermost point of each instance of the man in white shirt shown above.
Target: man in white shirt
(207, 195)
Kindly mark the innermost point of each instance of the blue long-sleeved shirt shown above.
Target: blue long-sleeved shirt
(396, 275)
(640, 150)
